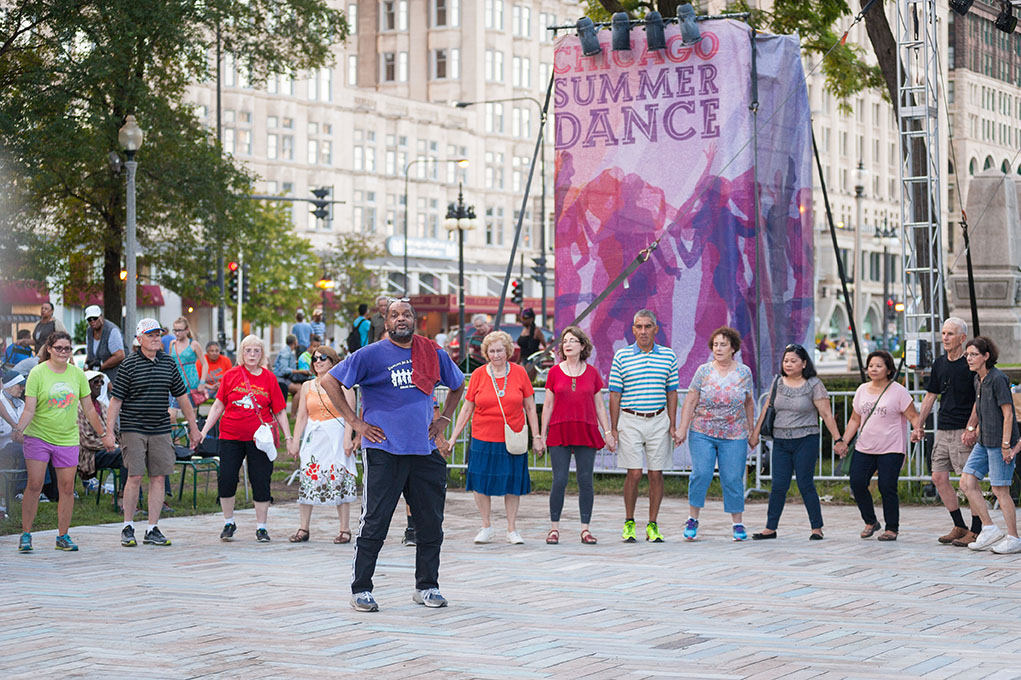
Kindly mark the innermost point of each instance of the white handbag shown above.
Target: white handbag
(264, 439)
(516, 442)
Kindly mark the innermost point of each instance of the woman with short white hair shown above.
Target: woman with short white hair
(249, 396)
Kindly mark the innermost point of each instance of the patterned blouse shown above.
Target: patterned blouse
(720, 411)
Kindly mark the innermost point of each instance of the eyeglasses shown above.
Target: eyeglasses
(320, 357)
(180, 330)
(571, 341)
(972, 355)
(61, 348)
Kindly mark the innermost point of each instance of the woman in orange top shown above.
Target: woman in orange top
(492, 471)
(328, 467)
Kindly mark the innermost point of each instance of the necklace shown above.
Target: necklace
(500, 390)
(574, 378)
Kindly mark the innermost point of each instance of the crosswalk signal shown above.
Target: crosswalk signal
(232, 280)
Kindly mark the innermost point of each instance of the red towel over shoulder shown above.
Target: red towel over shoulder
(425, 363)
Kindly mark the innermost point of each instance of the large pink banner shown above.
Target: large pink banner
(659, 145)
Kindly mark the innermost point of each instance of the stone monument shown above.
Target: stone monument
(994, 229)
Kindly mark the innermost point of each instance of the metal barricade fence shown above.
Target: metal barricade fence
(827, 468)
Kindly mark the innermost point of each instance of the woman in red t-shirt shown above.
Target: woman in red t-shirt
(249, 395)
(573, 415)
(492, 471)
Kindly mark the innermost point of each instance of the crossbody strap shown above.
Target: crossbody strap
(772, 393)
(258, 408)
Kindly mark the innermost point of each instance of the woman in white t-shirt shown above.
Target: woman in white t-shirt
(882, 411)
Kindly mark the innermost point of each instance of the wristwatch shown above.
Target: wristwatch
(971, 428)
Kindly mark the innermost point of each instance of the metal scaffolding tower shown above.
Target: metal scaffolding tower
(921, 207)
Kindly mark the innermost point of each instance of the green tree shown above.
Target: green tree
(70, 71)
(347, 264)
(846, 71)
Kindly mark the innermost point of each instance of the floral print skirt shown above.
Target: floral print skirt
(327, 475)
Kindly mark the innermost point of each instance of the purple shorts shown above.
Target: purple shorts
(60, 456)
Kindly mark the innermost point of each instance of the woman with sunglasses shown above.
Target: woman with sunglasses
(328, 467)
(800, 401)
(48, 432)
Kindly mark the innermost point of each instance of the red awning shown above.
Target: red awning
(473, 304)
(23, 293)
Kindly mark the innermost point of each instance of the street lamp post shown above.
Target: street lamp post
(860, 177)
(455, 213)
(462, 162)
(883, 233)
(130, 138)
(542, 199)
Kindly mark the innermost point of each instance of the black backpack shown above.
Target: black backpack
(354, 337)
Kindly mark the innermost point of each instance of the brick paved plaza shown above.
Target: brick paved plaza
(788, 608)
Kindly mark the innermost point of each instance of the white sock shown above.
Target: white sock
(260, 526)
(151, 527)
(129, 525)
(228, 520)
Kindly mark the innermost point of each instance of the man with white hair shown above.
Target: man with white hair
(953, 383)
(139, 397)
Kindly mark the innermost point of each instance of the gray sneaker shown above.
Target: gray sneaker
(430, 597)
(128, 537)
(155, 537)
(364, 602)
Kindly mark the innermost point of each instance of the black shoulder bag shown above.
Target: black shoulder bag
(766, 429)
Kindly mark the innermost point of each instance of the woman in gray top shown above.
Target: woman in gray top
(801, 399)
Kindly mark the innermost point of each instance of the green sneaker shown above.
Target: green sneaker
(652, 533)
(25, 544)
(628, 534)
(65, 543)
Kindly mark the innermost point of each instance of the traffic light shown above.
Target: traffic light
(322, 205)
(539, 270)
(232, 280)
(517, 292)
(246, 283)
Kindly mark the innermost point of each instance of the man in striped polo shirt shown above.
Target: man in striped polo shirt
(139, 396)
(643, 413)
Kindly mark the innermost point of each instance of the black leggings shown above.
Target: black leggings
(260, 469)
(863, 465)
(585, 461)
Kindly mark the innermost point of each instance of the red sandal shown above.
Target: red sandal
(587, 537)
(553, 537)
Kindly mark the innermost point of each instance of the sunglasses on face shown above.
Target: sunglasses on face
(92, 318)
(320, 357)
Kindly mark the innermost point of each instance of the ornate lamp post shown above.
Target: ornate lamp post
(456, 213)
(130, 138)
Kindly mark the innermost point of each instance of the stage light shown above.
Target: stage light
(1005, 20)
(590, 46)
(621, 32)
(690, 33)
(961, 6)
(654, 31)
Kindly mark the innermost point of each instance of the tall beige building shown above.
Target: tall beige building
(380, 129)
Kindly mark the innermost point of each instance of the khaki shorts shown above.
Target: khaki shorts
(644, 437)
(948, 453)
(148, 452)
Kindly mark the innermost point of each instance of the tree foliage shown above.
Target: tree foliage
(72, 70)
(845, 68)
(347, 264)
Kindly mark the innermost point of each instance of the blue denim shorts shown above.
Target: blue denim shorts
(987, 460)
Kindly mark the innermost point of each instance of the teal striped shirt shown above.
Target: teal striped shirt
(643, 378)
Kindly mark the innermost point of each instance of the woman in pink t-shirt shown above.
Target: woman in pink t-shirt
(882, 411)
(574, 421)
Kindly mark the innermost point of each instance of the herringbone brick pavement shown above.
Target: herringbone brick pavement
(714, 609)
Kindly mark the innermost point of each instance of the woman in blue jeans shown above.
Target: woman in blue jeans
(720, 412)
(801, 399)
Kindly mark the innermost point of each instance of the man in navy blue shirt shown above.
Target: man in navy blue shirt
(398, 435)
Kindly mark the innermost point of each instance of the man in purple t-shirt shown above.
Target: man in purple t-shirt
(398, 435)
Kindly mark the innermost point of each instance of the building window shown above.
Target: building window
(522, 21)
(388, 15)
(494, 66)
(287, 147)
(494, 117)
(521, 123)
(494, 226)
(494, 14)
(439, 64)
(271, 147)
(494, 170)
(389, 67)
(352, 17)
(546, 19)
(521, 72)
(352, 69)
(402, 67)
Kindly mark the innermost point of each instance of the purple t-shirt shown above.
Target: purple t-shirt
(390, 400)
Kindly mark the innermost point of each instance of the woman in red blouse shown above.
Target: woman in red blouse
(496, 390)
(249, 395)
(573, 416)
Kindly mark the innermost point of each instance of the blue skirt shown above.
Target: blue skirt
(494, 472)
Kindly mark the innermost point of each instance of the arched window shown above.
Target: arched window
(950, 167)
(1005, 166)
(972, 166)
(989, 163)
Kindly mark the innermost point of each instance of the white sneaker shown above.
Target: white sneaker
(1008, 546)
(514, 538)
(485, 535)
(986, 538)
